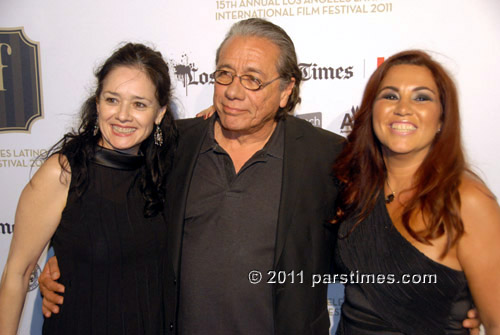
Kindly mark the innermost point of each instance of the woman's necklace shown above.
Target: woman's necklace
(390, 197)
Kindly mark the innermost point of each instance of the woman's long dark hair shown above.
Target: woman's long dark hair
(79, 146)
(361, 170)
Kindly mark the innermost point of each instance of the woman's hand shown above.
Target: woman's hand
(206, 113)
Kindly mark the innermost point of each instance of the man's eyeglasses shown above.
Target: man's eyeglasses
(249, 82)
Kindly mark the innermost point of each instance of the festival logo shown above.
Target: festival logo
(33, 284)
(20, 84)
(331, 313)
(21, 158)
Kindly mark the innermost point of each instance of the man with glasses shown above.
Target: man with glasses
(254, 197)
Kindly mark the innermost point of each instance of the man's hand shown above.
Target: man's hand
(49, 287)
(472, 322)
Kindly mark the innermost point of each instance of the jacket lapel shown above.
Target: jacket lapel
(293, 166)
(190, 141)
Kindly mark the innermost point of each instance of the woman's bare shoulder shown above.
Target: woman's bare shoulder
(55, 169)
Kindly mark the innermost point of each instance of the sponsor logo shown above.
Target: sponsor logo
(20, 84)
(189, 74)
(369, 68)
(348, 121)
(6, 228)
(33, 284)
(315, 72)
(380, 60)
(314, 118)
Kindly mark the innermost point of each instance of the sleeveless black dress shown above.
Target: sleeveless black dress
(110, 256)
(384, 304)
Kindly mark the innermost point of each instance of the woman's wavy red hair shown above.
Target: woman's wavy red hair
(361, 171)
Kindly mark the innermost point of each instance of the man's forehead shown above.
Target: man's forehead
(248, 53)
(246, 69)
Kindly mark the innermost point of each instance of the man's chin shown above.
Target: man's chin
(232, 122)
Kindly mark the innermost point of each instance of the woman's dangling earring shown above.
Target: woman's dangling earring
(158, 136)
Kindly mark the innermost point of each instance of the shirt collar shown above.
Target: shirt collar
(274, 146)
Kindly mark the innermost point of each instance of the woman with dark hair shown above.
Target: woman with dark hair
(98, 198)
(413, 216)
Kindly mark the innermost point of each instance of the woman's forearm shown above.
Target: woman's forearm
(12, 295)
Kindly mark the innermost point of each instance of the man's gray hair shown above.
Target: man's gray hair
(287, 66)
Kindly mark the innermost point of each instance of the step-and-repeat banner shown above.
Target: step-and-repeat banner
(49, 49)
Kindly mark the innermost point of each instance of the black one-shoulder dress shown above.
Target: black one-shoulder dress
(391, 287)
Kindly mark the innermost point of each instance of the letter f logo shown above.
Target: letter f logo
(2, 66)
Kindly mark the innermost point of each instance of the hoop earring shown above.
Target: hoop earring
(158, 136)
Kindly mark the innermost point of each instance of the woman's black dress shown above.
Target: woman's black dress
(389, 306)
(110, 256)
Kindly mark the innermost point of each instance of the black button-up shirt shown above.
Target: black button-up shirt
(230, 230)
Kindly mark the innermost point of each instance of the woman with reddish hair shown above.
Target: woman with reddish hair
(419, 231)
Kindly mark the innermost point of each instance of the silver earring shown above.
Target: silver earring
(96, 127)
(158, 136)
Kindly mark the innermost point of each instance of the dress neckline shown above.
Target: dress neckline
(402, 239)
(117, 160)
